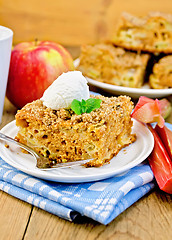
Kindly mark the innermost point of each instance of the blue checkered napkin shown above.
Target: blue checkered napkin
(101, 200)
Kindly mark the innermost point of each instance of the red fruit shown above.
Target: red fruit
(161, 163)
(33, 68)
(148, 111)
(166, 137)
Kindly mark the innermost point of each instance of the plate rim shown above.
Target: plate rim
(131, 90)
(77, 178)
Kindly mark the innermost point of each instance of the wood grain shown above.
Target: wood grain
(14, 215)
(147, 219)
(8, 113)
(71, 22)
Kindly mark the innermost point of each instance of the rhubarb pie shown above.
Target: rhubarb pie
(62, 136)
(162, 73)
(152, 33)
(113, 65)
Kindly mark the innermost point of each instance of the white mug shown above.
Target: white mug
(6, 36)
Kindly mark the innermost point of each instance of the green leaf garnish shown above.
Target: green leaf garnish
(76, 107)
(85, 106)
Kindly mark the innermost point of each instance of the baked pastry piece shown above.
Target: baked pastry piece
(162, 73)
(152, 33)
(63, 136)
(113, 65)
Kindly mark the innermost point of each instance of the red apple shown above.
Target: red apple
(33, 67)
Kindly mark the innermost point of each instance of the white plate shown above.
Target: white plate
(132, 92)
(126, 159)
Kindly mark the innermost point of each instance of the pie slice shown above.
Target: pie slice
(62, 136)
(113, 65)
(152, 33)
(162, 73)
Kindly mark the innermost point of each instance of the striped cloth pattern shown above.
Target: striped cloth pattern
(102, 201)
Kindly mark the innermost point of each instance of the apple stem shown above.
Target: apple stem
(36, 41)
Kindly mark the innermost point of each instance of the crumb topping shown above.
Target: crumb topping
(116, 56)
(52, 117)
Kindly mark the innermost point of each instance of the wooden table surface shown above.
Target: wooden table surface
(149, 218)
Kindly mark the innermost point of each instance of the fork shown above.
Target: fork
(39, 158)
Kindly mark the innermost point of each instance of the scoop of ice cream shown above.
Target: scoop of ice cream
(67, 87)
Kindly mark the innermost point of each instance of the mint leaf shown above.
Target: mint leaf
(92, 104)
(76, 107)
(85, 106)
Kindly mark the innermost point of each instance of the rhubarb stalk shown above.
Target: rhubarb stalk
(161, 163)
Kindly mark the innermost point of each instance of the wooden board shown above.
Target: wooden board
(14, 217)
(72, 22)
